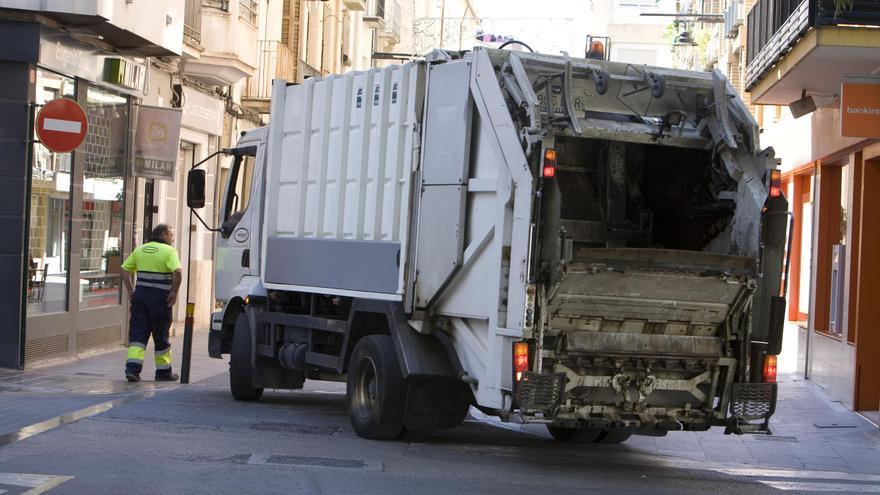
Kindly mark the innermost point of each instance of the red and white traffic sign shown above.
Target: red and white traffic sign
(61, 125)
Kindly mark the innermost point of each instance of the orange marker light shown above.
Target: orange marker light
(520, 359)
(549, 168)
(775, 183)
(770, 368)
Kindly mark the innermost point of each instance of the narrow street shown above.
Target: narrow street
(143, 438)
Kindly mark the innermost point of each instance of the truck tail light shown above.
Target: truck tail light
(520, 359)
(775, 183)
(770, 368)
(548, 169)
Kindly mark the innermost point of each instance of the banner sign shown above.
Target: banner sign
(157, 142)
(860, 107)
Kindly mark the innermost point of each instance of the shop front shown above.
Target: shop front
(73, 220)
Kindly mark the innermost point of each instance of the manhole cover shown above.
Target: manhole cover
(295, 428)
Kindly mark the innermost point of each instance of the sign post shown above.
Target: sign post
(62, 125)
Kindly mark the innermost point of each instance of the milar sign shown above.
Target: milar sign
(156, 142)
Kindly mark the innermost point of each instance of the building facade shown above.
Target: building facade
(70, 217)
(799, 54)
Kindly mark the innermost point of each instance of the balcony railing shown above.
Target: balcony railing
(774, 26)
(192, 22)
(276, 61)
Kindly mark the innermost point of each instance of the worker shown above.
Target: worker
(158, 280)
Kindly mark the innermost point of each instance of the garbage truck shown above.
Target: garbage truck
(593, 246)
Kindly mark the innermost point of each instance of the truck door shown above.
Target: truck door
(237, 252)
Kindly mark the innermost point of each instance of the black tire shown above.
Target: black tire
(616, 435)
(574, 435)
(240, 370)
(375, 389)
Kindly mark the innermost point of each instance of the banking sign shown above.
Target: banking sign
(860, 107)
(157, 141)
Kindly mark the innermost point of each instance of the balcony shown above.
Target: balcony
(795, 46)
(733, 18)
(376, 17)
(227, 36)
(147, 29)
(391, 32)
(276, 60)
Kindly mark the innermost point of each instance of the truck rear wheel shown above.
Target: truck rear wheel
(574, 435)
(241, 373)
(375, 389)
(616, 435)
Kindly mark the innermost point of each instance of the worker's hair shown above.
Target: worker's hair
(159, 231)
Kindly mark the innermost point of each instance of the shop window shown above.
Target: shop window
(103, 194)
(49, 215)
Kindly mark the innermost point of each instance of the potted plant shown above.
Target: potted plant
(114, 260)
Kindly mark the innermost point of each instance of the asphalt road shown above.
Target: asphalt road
(196, 439)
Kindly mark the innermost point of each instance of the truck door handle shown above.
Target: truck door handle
(246, 258)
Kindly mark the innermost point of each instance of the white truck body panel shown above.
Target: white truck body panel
(340, 160)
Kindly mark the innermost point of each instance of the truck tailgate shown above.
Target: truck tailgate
(616, 292)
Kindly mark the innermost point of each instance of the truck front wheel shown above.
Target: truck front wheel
(375, 389)
(574, 435)
(241, 373)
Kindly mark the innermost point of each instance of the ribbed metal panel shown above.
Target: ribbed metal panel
(53, 346)
(97, 338)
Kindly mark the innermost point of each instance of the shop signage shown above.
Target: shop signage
(124, 73)
(860, 107)
(157, 140)
(202, 112)
(61, 125)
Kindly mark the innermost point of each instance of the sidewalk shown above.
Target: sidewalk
(40, 399)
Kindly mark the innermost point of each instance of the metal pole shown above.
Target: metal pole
(190, 310)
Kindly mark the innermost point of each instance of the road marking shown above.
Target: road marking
(59, 125)
(38, 483)
(807, 486)
(65, 419)
(791, 473)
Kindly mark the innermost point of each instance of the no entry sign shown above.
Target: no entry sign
(61, 125)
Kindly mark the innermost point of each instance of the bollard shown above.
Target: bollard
(187, 342)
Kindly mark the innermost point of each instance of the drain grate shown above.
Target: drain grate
(776, 438)
(329, 462)
(295, 428)
(832, 426)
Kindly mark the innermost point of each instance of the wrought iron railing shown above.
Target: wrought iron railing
(275, 61)
(192, 21)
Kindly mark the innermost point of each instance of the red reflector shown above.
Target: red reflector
(770, 368)
(549, 167)
(520, 358)
(775, 183)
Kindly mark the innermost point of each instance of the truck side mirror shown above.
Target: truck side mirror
(195, 189)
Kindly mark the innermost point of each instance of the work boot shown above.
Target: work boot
(173, 377)
(132, 376)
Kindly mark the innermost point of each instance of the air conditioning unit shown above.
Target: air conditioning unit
(355, 5)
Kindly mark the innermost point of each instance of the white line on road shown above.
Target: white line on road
(38, 483)
(59, 125)
(808, 486)
(791, 473)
